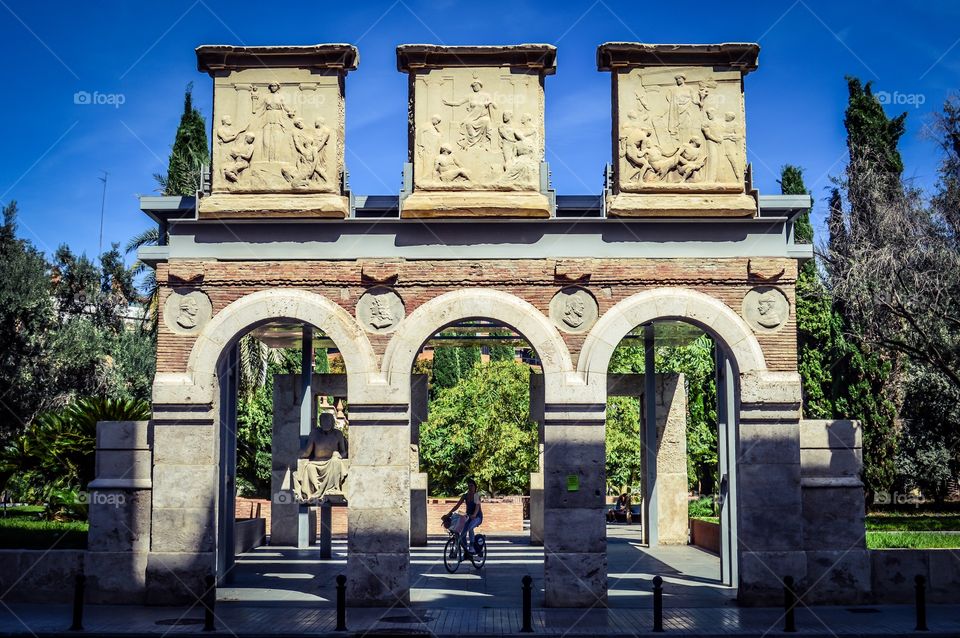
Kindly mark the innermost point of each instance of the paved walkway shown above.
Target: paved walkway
(287, 576)
(242, 620)
(287, 592)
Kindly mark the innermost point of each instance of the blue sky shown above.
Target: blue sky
(141, 54)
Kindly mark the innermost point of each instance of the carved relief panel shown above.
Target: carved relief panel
(479, 128)
(680, 128)
(679, 134)
(277, 130)
(476, 130)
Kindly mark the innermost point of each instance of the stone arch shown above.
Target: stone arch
(477, 303)
(291, 304)
(704, 311)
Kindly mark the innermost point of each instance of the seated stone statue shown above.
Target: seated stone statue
(325, 464)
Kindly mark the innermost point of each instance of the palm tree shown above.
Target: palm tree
(149, 292)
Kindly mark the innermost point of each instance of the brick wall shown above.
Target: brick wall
(498, 516)
(535, 280)
(504, 516)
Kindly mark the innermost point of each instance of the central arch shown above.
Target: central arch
(704, 311)
(477, 303)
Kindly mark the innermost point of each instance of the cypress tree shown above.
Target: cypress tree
(190, 151)
(865, 381)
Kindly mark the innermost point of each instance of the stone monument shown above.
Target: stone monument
(476, 130)
(278, 134)
(679, 146)
(323, 464)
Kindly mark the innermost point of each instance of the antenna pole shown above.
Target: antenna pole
(103, 201)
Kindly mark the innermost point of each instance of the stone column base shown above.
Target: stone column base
(378, 580)
(178, 578)
(575, 579)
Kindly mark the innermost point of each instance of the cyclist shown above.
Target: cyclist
(474, 512)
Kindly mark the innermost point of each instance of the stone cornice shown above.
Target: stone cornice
(542, 57)
(731, 55)
(223, 57)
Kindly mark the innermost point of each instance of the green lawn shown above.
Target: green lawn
(921, 530)
(912, 540)
(22, 528)
(913, 523)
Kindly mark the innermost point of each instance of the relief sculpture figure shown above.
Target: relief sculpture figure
(523, 167)
(683, 113)
(273, 112)
(508, 139)
(731, 144)
(428, 146)
(448, 167)
(475, 128)
(240, 158)
(713, 133)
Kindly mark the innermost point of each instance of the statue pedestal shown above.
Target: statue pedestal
(306, 526)
(326, 522)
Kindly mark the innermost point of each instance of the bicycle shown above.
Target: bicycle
(455, 547)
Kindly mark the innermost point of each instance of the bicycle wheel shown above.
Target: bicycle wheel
(479, 557)
(452, 554)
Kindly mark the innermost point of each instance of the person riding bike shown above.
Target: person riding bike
(474, 512)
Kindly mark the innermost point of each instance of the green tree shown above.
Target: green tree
(190, 152)
(502, 351)
(481, 428)
(27, 319)
(813, 312)
(866, 378)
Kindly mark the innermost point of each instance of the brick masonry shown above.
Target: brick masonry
(534, 280)
(505, 516)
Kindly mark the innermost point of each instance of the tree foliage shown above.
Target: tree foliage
(624, 445)
(480, 428)
(813, 311)
(26, 321)
(190, 152)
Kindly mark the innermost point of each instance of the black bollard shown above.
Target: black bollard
(789, 605)
(209, 600)
(921, 583)
(341, 603)
(78, 595)
(657, 604)
(527, 605)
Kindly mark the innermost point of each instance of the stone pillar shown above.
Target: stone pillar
(378, 493)
(119, 513)
(284, 510)
(536, 502)
(671, 402)
(769, 505)
(536, 479)
(575, 533)
(418, 500)
(838, 563)
(184, 503)
(419, 488)
(651, 519)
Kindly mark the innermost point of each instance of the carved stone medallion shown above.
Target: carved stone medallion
(380, 309)
(766, 309)
(574, 309)
(187, 313)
